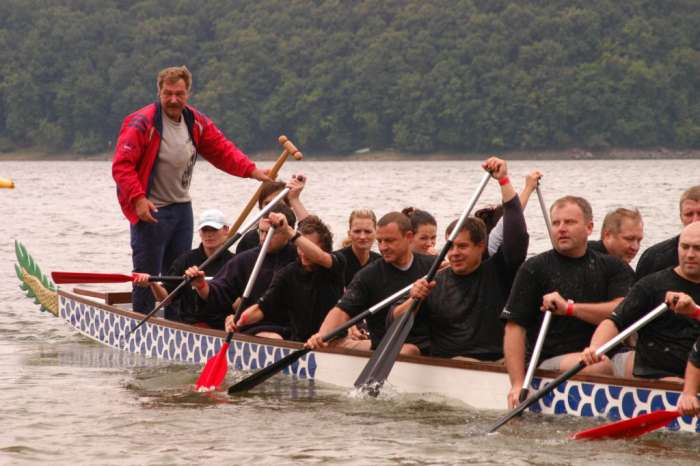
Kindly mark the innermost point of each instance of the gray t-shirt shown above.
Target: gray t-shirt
(174, 166)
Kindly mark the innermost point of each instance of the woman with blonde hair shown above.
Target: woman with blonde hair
(357, 247)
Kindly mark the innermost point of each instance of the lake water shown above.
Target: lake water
(67, 400)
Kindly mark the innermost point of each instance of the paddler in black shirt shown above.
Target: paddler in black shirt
(398, 268)
(464, 302)
(307, 288)
(621, 234)
(664, 254)
(580, 286)
(663, 344)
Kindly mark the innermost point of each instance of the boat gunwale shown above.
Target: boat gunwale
(420, 360)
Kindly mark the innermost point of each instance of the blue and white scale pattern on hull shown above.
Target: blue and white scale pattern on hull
(611, 401)
(174, 344)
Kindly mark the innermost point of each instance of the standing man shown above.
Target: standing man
(580, 286)
(664, 254)
(621, 234)
(152, 166)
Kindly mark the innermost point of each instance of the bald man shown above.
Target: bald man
(663, 345)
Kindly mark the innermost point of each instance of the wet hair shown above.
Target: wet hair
(173, 74)
(582, 204)
(313, 224)
(475, 226)
(490, 216)
(418, 217)
(398, 218)
(286, 211)
(270, 187)
(613, 220)
(690, 194)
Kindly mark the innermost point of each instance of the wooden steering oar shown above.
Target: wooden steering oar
(661, 308)
(534, 359)
(288, 149)
(215, 370)
(215, 255)
(382, 361)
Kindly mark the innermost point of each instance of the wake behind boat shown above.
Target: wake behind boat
(482, 386)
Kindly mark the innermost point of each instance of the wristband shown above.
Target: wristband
(295, 237)
(201, 286)
(696, 315)
(504, 181)
(569, 307)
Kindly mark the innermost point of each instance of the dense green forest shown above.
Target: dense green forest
(413, 75)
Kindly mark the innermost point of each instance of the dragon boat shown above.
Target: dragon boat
(100, 317)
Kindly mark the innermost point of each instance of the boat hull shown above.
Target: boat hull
(479, 385)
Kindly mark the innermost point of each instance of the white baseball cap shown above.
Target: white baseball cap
(212, 218)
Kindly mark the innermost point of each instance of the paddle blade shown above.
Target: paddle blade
(84, 277)
(266, 372)
(377, 370)
(627, 428)
(214, 371)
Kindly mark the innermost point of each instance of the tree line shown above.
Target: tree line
(339, 75)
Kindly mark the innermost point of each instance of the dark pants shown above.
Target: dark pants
(154, 247)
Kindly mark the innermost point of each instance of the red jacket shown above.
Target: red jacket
(139, 142)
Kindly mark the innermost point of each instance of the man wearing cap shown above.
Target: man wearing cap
(154, 158)
(187, 306)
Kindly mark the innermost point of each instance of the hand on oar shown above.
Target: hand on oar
(627, 428)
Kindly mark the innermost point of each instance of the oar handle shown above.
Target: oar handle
(545, 214)
(288, 149)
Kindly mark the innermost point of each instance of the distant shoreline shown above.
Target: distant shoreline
(391, 155)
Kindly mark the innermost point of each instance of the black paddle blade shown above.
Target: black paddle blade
(377, 370)
(265, 373)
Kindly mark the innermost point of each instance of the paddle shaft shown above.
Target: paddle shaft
(251, 281)
(289, 148)
(380, 364)
(544, 327)
(577, 368)
(215, 255)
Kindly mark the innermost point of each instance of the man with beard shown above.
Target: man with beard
(152, 166)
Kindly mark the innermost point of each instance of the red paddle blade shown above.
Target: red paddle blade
(634, 427)
(83, 277)
(214, 371)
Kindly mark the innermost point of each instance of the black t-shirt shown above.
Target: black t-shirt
(658, 257)
(664, 343)
(592, 278)
(378, 281)
(463, 310)
(190, 308)
(597, 245)
(694, 357)
(250, 240)
(305, 296)
(352, 265)
(229, 284)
